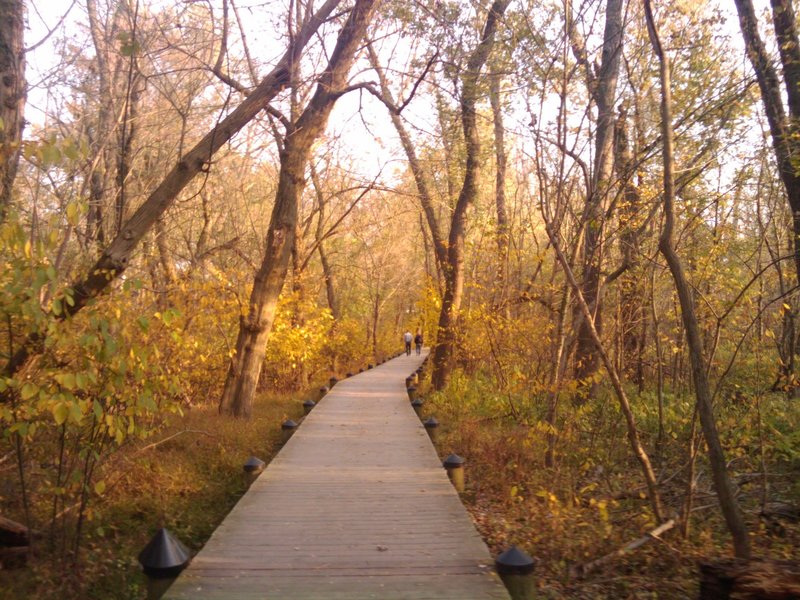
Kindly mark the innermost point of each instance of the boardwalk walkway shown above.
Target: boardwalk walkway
(356, 505)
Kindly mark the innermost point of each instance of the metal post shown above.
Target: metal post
(416, 404)
(455, 471)
(254, 465)
(515, 568)
(252, 468)
(287, 429)
(163, 558)
(431, 425)
(308, 405)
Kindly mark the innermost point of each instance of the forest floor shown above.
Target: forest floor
(187, 478)
(590, 504)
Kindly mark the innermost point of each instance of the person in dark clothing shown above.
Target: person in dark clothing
(418, 341)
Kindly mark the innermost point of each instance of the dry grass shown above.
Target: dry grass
(591, 503)
(187, 478)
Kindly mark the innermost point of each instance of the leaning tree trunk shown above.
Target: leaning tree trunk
(722, 484)
(115, 258)
(454, 267)
(415, 164)
(12, 95)
(254, 329)
(783, 129)
(616, 383)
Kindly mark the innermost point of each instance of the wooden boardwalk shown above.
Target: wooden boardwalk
(356, 505)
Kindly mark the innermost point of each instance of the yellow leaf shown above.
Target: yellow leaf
(73, 213)
(100, 487)
(60, 413)
(66, 380)
(29, 390)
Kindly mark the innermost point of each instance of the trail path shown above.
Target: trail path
(356, 505)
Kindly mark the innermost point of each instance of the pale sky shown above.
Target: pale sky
(368, 133)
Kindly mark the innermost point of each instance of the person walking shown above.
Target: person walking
(418, 341)
(407, 338)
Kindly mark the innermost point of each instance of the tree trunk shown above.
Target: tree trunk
(501, 280)
(785, 141)
(101, 128)
(604, 94)
(454, 268)
(12, 95)
(245, 368)
(127, 134)
(625, 406)
(631, 292)
(327, 271)
(330, 288)
(559, 361)
(785, 24)
(722, 484)
(114, 259)
(299, 312)
(420, 179)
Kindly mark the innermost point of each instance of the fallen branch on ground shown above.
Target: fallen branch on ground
(170, 437)
(581, 570)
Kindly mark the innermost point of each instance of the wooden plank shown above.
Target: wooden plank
(356, 505)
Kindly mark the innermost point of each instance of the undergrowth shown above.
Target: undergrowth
(592, 502)
(186, 479)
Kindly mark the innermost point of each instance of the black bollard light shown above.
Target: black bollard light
(254, 465)
(162, 559)
(332, 382)
(414, 378)
(164, 555)
(308, 405)
(412, 392)
(455, 471)
(349, 374)
(409, 382)
(416, 404)
(287, 429)
(322, 391)
(431, 425)
(515, 568)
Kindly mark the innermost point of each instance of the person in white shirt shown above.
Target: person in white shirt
(408, 338)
